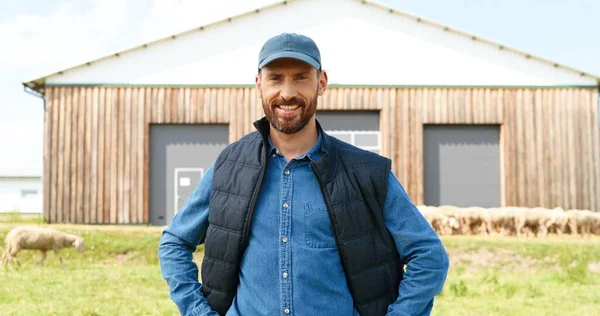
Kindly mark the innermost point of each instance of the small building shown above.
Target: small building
(466, 121)
(20, 191)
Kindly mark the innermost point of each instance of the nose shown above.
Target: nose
(288, 90)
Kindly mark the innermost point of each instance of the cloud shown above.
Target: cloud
(71, 34)
(75, 32)
(37, 44)
(67, 36)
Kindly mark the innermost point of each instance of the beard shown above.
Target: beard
(290, 124)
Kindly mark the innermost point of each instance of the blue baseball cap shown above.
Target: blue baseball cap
(290, 45)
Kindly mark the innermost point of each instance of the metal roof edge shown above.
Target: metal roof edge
(332, 85)
(39, 83)
(446, 28)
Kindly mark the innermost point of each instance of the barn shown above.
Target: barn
(20, 190)
(466, 121)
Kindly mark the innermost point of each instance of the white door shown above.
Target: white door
(186, 180)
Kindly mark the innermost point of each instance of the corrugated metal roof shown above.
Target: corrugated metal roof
(38, 84)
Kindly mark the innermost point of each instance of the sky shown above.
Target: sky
(44, 36)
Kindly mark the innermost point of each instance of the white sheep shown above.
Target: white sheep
(474, 220)
(534, 220)
(442, 224)
(538, 221)
(38, 238)
(558, 222)
(502, 220)
(582, 222)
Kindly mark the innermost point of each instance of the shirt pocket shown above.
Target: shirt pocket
(318, 227)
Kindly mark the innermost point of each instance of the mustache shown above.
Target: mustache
(291, 101)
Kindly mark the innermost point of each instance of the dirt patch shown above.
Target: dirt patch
(502, 259)
(124, 257)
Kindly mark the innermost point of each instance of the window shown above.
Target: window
(367, 140)
(29, 193)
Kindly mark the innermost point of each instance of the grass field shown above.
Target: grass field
(119, 275)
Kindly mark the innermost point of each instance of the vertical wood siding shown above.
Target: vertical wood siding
(551, 148)
(96, 140)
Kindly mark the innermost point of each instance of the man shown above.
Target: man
(296, 222)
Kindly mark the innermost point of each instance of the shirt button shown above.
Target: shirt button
(285, 275)
(287, 172)
(274, 155)
(284, 239)
(287, 310)
(285, 205)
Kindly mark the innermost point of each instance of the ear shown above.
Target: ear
(78, 242)
(258, 85)
(322, 82)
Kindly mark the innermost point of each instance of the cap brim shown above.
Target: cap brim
(289, 54)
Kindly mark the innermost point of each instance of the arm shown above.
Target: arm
(178, 242)
(420, 249)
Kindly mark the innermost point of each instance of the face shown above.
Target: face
(289, 90)
(78, 244)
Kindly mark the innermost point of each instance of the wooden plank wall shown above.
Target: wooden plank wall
(96, 140)
(95, 166)
(552, 148)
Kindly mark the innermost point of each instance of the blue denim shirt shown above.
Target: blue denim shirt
(291, 265)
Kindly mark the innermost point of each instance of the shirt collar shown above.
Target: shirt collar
(313, 154)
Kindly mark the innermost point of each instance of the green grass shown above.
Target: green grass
(526, 276)
(16, 217)
(119, 275)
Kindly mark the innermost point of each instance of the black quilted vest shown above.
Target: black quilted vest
(352, 181)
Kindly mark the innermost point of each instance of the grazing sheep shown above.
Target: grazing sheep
(38, 238)
(453, 219)
(510, 220)
(534, 220)
(502, 220)
(596, 223)
(582, 222)
(441, 223)
(558, 223)
(474, 220)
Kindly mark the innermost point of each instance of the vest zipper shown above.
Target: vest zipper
(253, 202)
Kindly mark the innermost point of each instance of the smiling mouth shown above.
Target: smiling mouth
(288, 107)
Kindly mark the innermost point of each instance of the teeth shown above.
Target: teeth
(289, 107)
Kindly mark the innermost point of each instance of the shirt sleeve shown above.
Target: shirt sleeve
(179, 240)
(420, 249)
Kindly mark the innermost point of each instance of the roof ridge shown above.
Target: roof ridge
(38, 83)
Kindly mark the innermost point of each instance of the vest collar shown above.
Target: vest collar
(325, 166)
